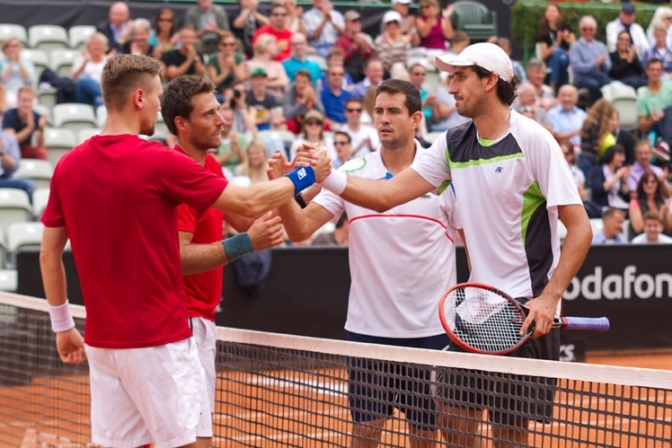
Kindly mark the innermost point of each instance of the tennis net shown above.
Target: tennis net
(280, 390)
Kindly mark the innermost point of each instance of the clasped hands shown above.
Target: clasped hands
(307, 155)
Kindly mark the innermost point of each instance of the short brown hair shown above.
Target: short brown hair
(506, 90)
(393, 86)
(124, 73)
(176, 99)
(305, 73)
(654, 215)
(26, 89)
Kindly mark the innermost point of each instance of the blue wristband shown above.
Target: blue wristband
(237, 246)
(302, 178)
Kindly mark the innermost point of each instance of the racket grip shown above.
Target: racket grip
(600, 324)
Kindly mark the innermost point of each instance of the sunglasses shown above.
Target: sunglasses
(357, 111)
(229, 44)
(313, 123)
(343, 143)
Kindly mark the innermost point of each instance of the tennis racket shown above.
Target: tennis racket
(483, 319)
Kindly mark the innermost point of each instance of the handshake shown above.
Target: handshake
(307, 155)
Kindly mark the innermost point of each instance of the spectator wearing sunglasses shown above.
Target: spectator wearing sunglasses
(312, 131)
(333, 96)
(279, 30)
(164, 34)
(364, 138)
(343, 145)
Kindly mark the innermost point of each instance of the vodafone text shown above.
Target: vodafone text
(628, 285)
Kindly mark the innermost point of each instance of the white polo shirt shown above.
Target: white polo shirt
(401, 261)
(509, 191)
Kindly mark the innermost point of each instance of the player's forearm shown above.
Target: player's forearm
(53, 278)
(294, 222)
(254, 200)
(574, 250)
(368, 193)
(197, 258)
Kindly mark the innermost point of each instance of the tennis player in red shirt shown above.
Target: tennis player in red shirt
(116, 197)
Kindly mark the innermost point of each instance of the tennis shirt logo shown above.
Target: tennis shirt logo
(301, 173)
(499, 169)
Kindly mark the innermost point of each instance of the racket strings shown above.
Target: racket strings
(483, 320)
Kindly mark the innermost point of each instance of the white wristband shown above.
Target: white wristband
(61, 320)
(335, 182)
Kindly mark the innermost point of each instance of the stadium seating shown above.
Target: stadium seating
(23, 235)
(42, 109)
(39, 171)
(101, 116)
(40, 199)
(62, 60)
(475, 19)
(14, 207)
(39, 58)
(86, 134)
(624, 100)
(74, 116)
(9, 280)
(58, 142)
(79, 34)
(47, 97)
(47, 37)
(8, 30)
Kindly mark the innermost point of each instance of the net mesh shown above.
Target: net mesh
(280, 390)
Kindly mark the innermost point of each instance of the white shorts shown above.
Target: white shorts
(147, 395)
(205, 334)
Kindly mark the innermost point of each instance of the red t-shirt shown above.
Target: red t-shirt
(282, 37)
(204, 290)
(117, 196)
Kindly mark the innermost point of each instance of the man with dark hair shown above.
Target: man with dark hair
(343, 146)
(384, 309)
(147, 384)
(278, 29)
(333, 96)
(202, 252)
(512, 185)
(654, 103)
(184, 60)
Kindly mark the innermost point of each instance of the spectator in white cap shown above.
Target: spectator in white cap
(407, 21)
(512, 175)
(626, 22)
(392, 45)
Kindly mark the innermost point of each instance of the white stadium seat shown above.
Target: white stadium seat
(79, 34)
(23, 235)
(40, 199)
(8, 30)
(86, 134)
(58, 142)
(62, 60)
(14, 207)
(47, 37)
(40, 171)
(74, 116)
(39, 58)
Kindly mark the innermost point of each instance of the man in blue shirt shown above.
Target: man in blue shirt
(589, 58)
(299, 61)
(10, 156)
(566, 119)
(612, 226)
(333, 96)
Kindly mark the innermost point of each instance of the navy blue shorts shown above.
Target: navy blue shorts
(509, 398)
(377, 387)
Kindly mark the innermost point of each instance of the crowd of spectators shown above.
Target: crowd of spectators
(313, 73)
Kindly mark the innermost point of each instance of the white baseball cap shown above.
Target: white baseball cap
(485, 55)
(392, 16)
(403, 2)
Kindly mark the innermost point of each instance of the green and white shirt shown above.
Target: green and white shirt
(507, 192)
